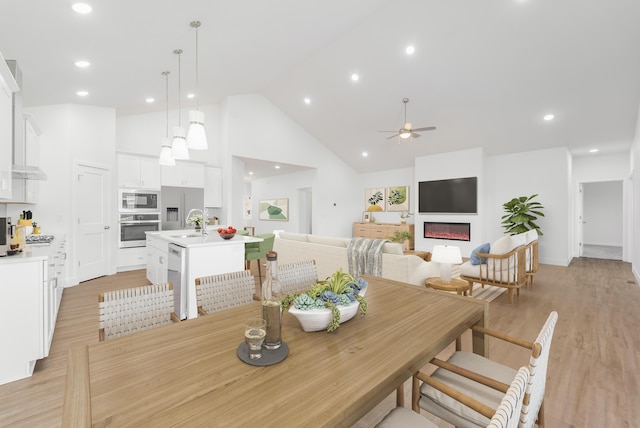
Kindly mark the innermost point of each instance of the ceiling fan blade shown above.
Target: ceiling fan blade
(387, 131)
(428, 128)
(414, 135)
(393, 136)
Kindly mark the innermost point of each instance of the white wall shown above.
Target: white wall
(465, 163)
(70, 132)
(255, 128)
(603, 213)
(143, 133)
(390, 178)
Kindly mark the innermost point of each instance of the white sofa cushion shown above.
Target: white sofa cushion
(294, 236)
(393, 248)
(473, 271)
(531, 236)
(328, 240)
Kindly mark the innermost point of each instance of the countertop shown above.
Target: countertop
(32, 253)
(189, 238)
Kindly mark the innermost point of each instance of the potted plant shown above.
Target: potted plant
(520, 215)
(328, 303)
(404, 215)
(403, 237)
(196, 220)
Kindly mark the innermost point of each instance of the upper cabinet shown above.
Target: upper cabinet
(138, 172)
(183, 174)
(212, 186)
(26, 190)
(8, 86)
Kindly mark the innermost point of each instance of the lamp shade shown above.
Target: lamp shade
(165, 154)
(446, 254)
(196, 138)
(179, 146)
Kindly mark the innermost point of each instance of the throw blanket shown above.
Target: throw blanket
(365, 256)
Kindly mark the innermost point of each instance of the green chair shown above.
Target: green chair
(242, 232)
(258, 250)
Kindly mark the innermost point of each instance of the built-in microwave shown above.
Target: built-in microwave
(130, 201)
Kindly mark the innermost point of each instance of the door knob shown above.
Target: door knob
(107, 227)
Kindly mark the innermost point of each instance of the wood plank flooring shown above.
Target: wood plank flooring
(594, 376)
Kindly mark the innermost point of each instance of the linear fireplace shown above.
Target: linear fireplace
(452, 231)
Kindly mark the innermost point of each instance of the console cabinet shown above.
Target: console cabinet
(383, 231)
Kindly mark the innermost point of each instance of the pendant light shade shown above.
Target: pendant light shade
(165, 152)
(196, 139)
(179, 145)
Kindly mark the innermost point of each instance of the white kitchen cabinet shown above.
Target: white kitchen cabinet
(26, 190)
(157, 251)
(138, 172)
(183, 174)
(8, 86)
(212, 186)
(131, 258)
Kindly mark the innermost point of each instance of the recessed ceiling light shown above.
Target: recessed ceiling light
(191, 96)
(365, 154)
(150, 100)
(594, 151)
(277, 167)
(355, 77)
(410, 50)
(82, 93)
(82, 8)
(250, 172)
(307, 100)
(548, 117)
(82, 64)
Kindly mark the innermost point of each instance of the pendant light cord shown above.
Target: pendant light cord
(166, 84)
(196, 68)
(178, 52)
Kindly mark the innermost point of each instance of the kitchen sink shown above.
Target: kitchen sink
(195, 235)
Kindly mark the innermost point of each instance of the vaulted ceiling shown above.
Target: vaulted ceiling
(484, 73)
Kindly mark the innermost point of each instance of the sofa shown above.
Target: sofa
(330, 254)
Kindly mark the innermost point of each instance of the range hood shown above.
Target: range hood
(20, 169)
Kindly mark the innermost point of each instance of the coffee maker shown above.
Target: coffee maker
(5, 235)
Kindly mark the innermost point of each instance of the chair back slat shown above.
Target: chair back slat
(298, 276)
(126, 311)
(225, 291)
(508, 412)
(538, 370)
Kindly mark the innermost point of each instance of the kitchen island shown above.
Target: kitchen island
(181, 256)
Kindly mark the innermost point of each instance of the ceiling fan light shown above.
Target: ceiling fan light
(405, 134)
(179, 146)
(196, 138)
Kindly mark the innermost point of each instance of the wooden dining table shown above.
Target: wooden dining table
(188, 373)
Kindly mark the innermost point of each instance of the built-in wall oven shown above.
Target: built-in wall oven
(138, 201)
(133, 228)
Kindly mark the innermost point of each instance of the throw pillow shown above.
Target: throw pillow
(484, 248)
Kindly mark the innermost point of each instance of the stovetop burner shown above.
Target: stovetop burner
(39, 239)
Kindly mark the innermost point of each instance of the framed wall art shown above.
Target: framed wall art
(374, 199)
(397, 198)
(274, 209)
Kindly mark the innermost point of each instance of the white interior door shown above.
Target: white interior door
(93, 236)
(581, 221)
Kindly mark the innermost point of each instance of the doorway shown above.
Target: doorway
(602, 220)
(305, 211)
(92, 202)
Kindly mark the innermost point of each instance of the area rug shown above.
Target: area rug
(487, 293)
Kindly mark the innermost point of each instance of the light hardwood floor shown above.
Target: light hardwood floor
(594, 376)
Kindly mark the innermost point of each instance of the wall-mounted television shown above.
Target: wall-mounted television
(453, 196)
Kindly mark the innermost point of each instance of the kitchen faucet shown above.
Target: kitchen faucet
(203, 227)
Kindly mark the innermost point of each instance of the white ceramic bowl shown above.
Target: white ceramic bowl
(319, 319)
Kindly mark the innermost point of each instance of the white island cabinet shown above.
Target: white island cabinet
(30, 292)
(199, 256)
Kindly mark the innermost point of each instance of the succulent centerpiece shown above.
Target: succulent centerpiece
(328, 303)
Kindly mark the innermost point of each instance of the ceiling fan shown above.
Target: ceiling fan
(407, 130)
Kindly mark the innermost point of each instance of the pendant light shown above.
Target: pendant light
(179, 147)
(165, 152)
(196, 139)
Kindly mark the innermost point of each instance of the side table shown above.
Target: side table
(458, 285)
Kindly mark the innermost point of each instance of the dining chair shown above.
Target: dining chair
(507, 415)
(130, 310)
(485, 381)
(216, 293)
(296, 277)
(242, 232)
(258, 250)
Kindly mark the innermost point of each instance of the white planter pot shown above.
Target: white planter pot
(319, 319)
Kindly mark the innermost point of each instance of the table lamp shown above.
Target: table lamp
(446, 256)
